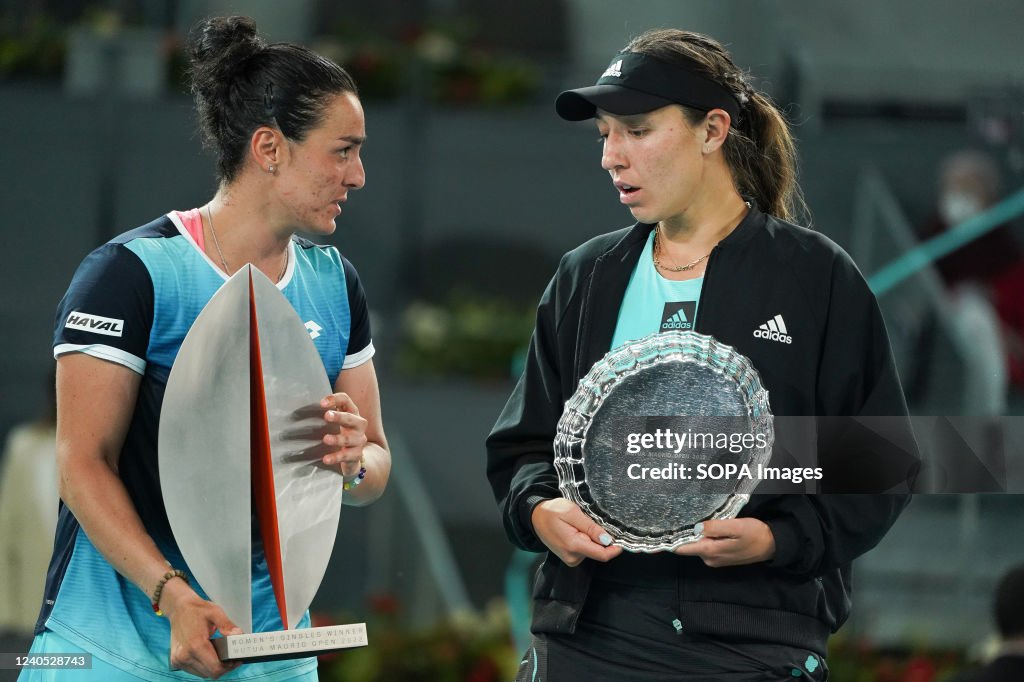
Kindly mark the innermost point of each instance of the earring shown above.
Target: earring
(271, 169)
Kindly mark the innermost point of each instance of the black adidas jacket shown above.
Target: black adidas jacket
(838, 363)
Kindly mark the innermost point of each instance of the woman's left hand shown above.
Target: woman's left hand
(349, 436)
(732, 542)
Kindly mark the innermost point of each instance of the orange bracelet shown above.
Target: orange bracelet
(175, 573)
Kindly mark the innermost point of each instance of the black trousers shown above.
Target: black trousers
(627, 633)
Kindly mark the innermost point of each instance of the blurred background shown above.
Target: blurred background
(910, 122)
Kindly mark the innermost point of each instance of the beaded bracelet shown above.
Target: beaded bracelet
(175, 573)
(348, 485)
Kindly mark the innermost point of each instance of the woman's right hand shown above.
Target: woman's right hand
(570, 534)
(90, 435)
(193, 621)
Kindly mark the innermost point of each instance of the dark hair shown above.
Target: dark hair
(241, 83)
(1009, 604)
(759, 148)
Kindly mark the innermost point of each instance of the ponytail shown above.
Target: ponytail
(759, 149)
(761, 154)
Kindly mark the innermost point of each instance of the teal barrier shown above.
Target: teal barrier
(928, 252)
(517, 595)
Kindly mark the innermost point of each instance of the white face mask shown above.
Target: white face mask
(956, 207)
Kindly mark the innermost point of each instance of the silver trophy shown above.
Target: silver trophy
(661, 434)
(240, 432)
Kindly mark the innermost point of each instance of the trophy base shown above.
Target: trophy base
(285, 644)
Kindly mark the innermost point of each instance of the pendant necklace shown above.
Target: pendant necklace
(220, 253)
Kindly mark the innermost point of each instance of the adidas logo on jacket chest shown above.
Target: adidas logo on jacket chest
(774, 330)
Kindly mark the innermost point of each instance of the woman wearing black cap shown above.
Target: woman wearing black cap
(706, 165)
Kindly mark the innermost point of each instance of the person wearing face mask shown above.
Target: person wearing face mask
(287, 127)
(969, 182)
(983, 281)
(706, 165)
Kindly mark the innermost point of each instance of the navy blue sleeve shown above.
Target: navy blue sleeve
(360, 343)
(107, 311)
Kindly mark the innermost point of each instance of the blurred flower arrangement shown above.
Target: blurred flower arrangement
(469, 647)
(441, 56)
(32, 51)
(37, 47)
(470, 336)
(477, 647)
(855, 661)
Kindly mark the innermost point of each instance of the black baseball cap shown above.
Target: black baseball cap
(636, 83)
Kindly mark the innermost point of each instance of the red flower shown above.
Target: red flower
(485, 670)
(384, 604)
(919, 669)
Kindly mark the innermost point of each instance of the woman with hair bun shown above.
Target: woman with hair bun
(706, 165)
(287, 127)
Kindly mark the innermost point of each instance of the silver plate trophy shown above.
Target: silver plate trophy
(240, 434)
(661, 434)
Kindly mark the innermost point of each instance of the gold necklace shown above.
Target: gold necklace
(216, 242)
(677, 268)
(673, 268)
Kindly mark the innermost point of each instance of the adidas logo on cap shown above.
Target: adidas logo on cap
(774, 330)
(613, 70)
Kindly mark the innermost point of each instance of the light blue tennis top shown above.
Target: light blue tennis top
(655, 304)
